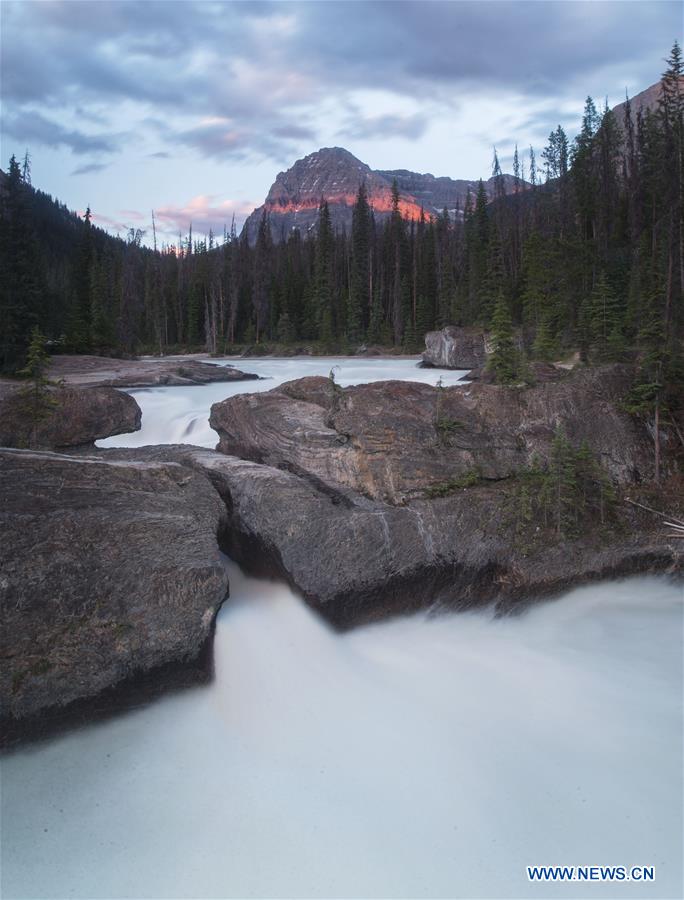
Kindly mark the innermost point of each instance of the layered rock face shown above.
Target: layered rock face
(335, 174)
(333, 490)
(108, 569)
(455, 348)
(99, 371)
(70, 418)
(436, 194)
(356, 559)
(394, 440)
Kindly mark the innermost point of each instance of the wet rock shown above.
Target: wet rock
(394, 440)
(90, 371)
(356, 560)
(68, 417)
(455, 348)
(109, 569)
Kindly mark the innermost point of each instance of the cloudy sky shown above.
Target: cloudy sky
(191, 108)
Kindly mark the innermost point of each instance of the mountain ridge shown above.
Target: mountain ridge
(335, 174)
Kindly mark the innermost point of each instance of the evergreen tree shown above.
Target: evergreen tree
(35, 400)
(262, 277)
(359, 303)
(544, 347)
(504, 362)
(563, 483)
(20, 306)
(607, 339)
(324, 277)
(79, 336)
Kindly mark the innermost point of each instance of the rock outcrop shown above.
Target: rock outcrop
(370, 500)
(101, 371)
(66, 417)
(393, 441)
(455, 348)
(356, 560)
(109, 569)
(642, 103)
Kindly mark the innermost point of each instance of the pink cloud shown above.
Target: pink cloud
(134, 214)
(204, 213)
(108, 223)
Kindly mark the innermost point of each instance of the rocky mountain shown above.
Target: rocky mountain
(641, 103)
(334, 173)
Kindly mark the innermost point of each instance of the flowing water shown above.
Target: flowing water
(421, 757)
(179, 415)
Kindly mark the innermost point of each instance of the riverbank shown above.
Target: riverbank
(100, 371)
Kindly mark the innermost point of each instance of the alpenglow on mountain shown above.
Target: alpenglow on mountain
(335, 174)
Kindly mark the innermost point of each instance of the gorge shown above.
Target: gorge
(341, 520)
(451, 736)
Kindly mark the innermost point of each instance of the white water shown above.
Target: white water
(179, 415)
(414, 758)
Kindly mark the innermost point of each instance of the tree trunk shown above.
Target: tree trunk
(656, 439)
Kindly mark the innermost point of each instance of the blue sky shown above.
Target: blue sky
(191, 109)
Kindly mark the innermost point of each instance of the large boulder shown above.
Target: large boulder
(455, 348)
(109, 569)
(99, 371)
(355, 559)
(64, 417)
(395, 440)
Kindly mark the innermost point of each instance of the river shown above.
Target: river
(421, 757)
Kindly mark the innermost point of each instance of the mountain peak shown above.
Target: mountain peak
(333, 173)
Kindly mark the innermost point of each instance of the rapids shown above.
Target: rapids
(420, 757)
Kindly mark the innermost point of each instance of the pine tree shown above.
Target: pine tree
(671, 162)
(481, 296)
(564, 487)
(504, 361)
(607, 339)
(446, 287)
(262, 277)
(20, 306)
(35, 399)
(79, 336)
(359, 294)
(544, 347)
(648, 397)
(324, 277)
(555, 154)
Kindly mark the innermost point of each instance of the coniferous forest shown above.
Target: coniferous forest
(585, 255)
(342, 549)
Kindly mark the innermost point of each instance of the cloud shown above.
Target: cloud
(267, 70)
(109, 223)
(223, 138)
(30, 126)
(220, 139)
(204, 212)
(89, 168)
(134, 214)
(411, 127)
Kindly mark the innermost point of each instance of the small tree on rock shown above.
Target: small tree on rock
(35, 399)
(504, 362)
